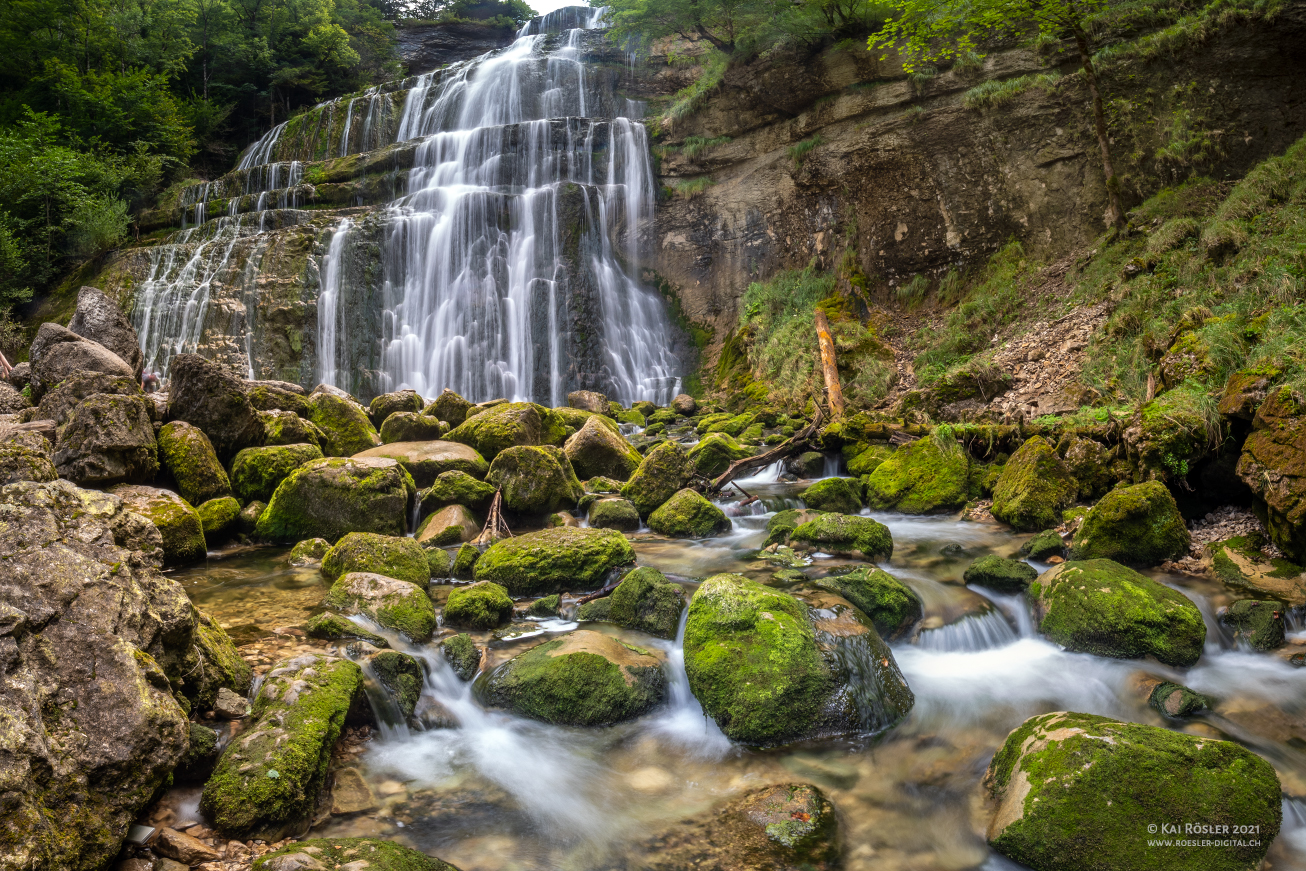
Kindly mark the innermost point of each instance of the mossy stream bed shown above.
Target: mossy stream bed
(498, 793)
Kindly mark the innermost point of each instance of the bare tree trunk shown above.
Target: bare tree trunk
(495, 526)
(828, 364)
(1115, 214)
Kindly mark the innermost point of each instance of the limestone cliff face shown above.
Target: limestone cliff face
(918, 183)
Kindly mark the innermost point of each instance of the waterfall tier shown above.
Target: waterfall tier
(476, 228)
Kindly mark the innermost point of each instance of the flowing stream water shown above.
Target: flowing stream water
(508, 258)
(495, 792)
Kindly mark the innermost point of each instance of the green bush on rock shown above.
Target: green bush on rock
(393, 556)
(483, 605)
(1101, 607)
(1074, 792)
(582, 679)
(1138, 525)
(1033, 488)
(688, 514)
(553, 560)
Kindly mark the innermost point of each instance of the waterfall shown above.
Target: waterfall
(507, 265)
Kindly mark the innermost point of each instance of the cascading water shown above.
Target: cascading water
(507, 263)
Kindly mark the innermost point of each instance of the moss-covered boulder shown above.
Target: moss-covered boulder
(332, 497)
(1091, 466)
(613, 513)
(464, 562)
(26, 463)
(863, 459)
(268, 782)
(892, 606)
(784, 522)
(218, 665)
(582, 679)
(502, 426)
(398, 675)
(1076, 792)
(598, 451)
(393, 556)
(1001, 575)
(647, 601)
(286, 428)
(409, 426)
(203, 393)
(449, 407)
(840, 495)
(844, 535)
(178, 523)
(1176, 700)
(927, 475)
(781, 826)
(333, 854)
(535, 479)
(450, 525)
(257, 472)
(545, 606)
(187, 454)
(108, 439)
(753, 661)
(426, 461)
(664, 470)
(394, 604)
(1101, 607)
(1046, 544)
(1273, 465)
(458, 488)
(1258, 623)
(714, 454)
(1242, 562)
(462, 654)
(247, 523)
(1170, 434)
(1139, 525)
(596, 610)
(266, 396)
(219, 518)
(554, 560)
(380, 409)
(333, 627)
(483, 605)
(310, 550)
(439, 561)
(344, 423)
(732, 425)
(808, 464)
(1034, 487)
(688, 514)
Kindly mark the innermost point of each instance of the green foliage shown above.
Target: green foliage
(800, 151)
(689, 188)
(689, 99)
(999, 92)
(912, 292)
(696, 145)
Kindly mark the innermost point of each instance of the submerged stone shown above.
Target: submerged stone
(1258, 623)
(348, 854)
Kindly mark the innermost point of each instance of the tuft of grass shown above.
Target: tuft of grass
(995, 93)
(912, 293)
(690, 99)
(922, 76)
(696, 145)
(689, 188)
(797, 153)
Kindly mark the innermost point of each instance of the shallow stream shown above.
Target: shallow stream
(497, 792)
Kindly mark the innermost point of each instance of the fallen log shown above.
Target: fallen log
(766, 458)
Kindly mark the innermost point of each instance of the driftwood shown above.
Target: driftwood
(762, 460)
(605, 590)
(829, 368)
(495, 526)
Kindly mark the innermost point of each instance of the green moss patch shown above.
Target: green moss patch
(483, 605)
(687, 514)
(554, 560)
(1138, 525)
(1034, 487)
(392, 556)
(845, 535)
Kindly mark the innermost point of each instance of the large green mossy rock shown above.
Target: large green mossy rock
(923, 476)
(334, 854)
(450, 525)
(483, 605)
(845, 535)
(535, 479)
(188, 455)
(344, 423)
(408, 426)
(268, 397)
(784, 522)
(1000, 575)
(714, 454)
(688, 514)
(582, 679)
(462, 654)
(754, 663)
(647, 601)
(268, 783)
(333, 627)
(1046, 544)
(219, 665)
(218, 518)
(892, 607)
(458, 488)
(394, 556)
(1078, 792)
(449, 407)
(597, 451)
(664, 470)
(1258, 623)
(1273, 465)
(382, 407)
(426, 461)
(398, 676)
(613, 513)
(1170, 434)
(840, 495)
(1034, 488)
(332, 497)
(863, 459)
(554, 560)
(1101, 607)
(256, 472)
(503, 426)
(394, 604)
(180, 525)
(1139, 525)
